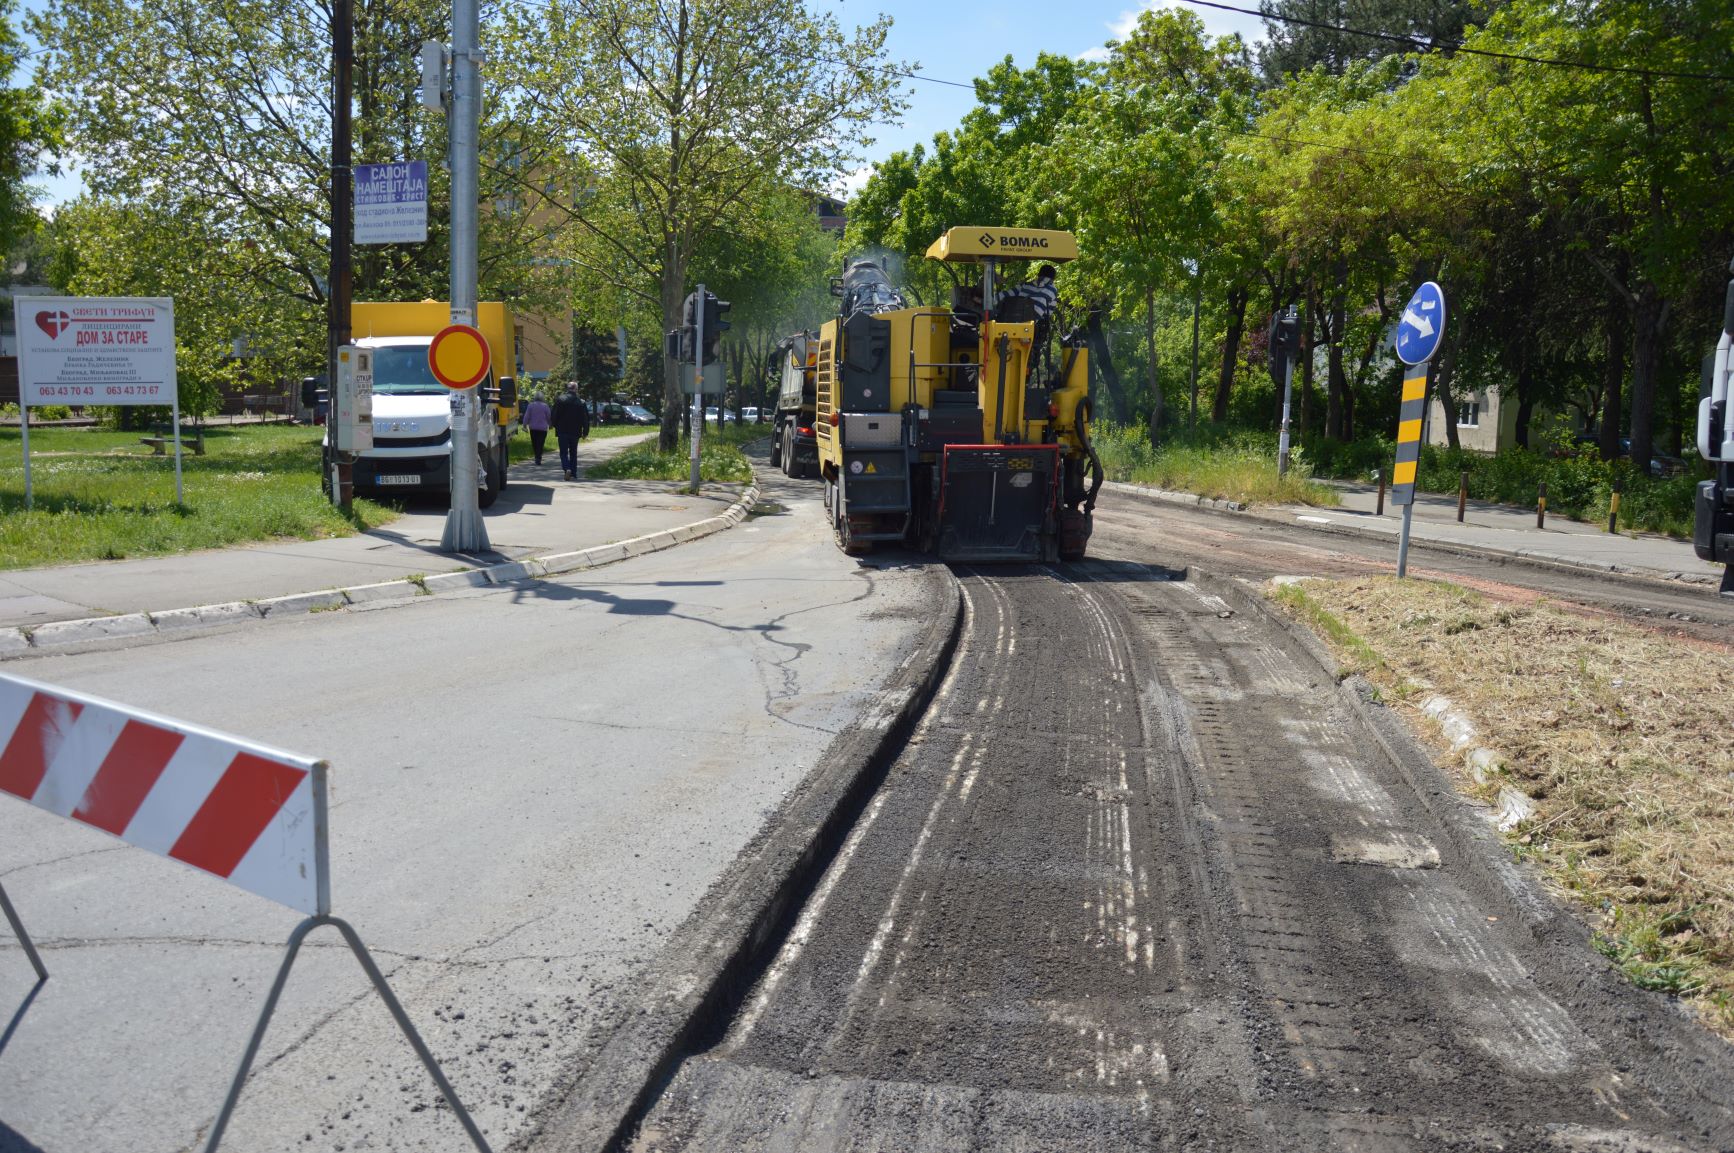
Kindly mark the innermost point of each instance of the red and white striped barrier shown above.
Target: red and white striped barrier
(250, 814)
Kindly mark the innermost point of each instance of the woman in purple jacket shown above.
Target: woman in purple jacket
(536, 417)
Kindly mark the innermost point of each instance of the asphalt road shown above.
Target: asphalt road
(532, 786)
(1144, 879)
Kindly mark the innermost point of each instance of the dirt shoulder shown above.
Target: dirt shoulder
(1607, 756)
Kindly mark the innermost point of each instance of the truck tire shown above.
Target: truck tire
(777, 458)
(788, 451)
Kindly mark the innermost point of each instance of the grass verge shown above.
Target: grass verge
(1609, 728)
(103, 496)
(720, 459)
(1239, 468)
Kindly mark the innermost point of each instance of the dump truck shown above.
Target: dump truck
(960, 431)
(412, 434)
(794, 444)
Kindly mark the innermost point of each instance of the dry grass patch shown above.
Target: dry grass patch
(1620, 736)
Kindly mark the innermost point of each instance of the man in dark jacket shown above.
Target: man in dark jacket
(571, 423)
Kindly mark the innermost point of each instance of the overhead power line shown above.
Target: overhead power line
(1458, 46)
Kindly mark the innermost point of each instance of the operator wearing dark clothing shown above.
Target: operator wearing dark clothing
(571, 424)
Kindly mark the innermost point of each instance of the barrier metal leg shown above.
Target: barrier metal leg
(385, 994)
(23, 937)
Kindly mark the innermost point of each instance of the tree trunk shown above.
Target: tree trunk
(1525, 402)
(673, 299)
(1339, 417)
(1649, 318)
(1237, 301)
(1197, 299)
(1309, 341)
(1155, 379)
(1613, 377)
(1101, 357)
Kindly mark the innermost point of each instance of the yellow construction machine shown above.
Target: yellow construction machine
(962, 430)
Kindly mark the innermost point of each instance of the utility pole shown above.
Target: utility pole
(1197, 295)
(339, 285)
(465, 531)
(1284, 344)
(698, 379)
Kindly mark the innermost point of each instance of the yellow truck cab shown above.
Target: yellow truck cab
(412, 435)
(960, 430)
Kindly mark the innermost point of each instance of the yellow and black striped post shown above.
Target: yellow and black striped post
(1409, 420)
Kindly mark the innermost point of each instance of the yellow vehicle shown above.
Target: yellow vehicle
(956, 430)
(412, 440)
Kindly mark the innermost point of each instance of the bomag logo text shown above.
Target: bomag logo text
(1023, 242)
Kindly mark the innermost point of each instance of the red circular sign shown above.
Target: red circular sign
(459, 356)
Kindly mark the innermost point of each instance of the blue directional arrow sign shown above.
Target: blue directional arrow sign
(1422, 324)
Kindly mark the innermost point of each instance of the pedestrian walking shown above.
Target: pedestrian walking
(571, 421)
(538, 418)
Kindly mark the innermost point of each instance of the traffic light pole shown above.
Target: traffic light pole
(698, 381)
(464, 530)
(1282, 444)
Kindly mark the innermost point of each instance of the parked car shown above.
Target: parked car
(638, 414)
(750, 415)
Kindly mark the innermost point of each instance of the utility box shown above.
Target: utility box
(352, 400)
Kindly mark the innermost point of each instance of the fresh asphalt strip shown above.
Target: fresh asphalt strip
(714, 960)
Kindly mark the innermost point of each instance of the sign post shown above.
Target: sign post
(1419, 331)
(464, 531)
(459, 358)
(697, 301)
(88, 350)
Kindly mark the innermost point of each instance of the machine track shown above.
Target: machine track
(1141, 880)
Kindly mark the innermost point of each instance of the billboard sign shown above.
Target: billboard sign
(80, 350)
(391, 203)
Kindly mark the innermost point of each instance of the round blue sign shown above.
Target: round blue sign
(1422, 324)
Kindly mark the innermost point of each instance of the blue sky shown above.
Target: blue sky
(951, 41)
(955, 41)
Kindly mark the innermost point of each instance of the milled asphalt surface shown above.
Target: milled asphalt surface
(1146, 877)
(533, 785)
(538, 513)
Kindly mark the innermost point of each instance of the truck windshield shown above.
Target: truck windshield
(402, 368)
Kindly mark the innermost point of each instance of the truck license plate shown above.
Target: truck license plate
(400, 478)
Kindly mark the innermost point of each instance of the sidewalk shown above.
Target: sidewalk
(539, 513)
(1491, 528)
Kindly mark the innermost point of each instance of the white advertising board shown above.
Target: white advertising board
(81, 350)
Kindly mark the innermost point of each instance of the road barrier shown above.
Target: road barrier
(253, 815)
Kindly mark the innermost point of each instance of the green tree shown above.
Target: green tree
(29, 128)
(656, 120)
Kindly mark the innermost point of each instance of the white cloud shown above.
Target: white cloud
(1216, 23)
(852, 182)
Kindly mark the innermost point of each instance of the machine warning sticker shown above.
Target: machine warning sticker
(855, 467)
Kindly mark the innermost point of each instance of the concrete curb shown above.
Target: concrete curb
(1534, 558)
(713, 960)
(61, 635)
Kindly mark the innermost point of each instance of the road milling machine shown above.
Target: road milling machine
(962, 430)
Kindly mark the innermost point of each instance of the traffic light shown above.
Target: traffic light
(714, 325)
(1285, 341)
(677, 344)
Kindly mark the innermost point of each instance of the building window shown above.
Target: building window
(1469, 414)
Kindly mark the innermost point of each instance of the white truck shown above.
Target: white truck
(1713, 527)
(412, 434)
